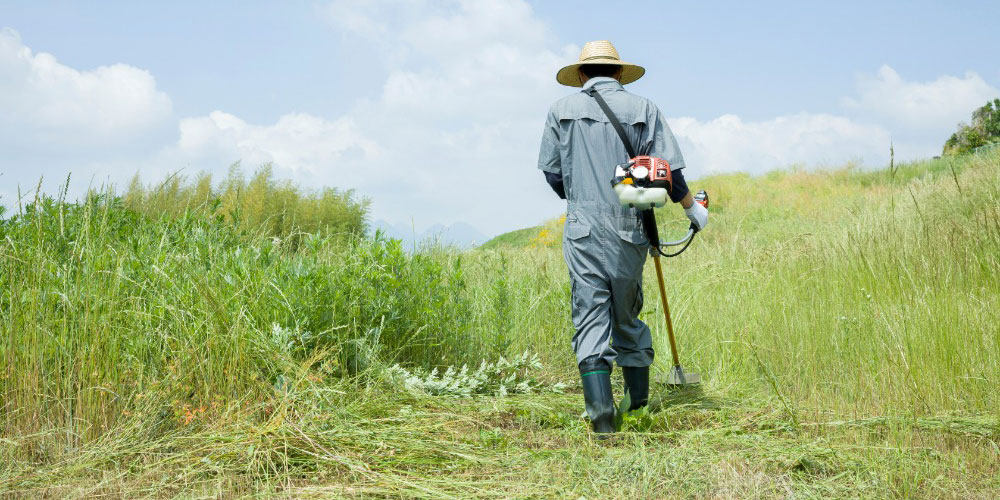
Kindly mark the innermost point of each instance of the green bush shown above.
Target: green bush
(264, 205)
(985, 129)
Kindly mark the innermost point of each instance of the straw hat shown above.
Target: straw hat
(598, 52)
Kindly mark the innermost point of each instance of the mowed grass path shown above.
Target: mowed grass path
(845, 323)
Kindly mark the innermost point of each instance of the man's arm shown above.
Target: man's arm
(556, 183)
(661, 143)
(549, 157)
(687, 200)
(679, 191)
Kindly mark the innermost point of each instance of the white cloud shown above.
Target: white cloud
(473, 25)
(359, 17)
(44, 103)
(931, 108)
(914, 116)
(728, 143)
(104, 125)
(302, 143)
(461, 108)
(477, 60)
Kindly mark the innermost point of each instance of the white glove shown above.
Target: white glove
(698, 215)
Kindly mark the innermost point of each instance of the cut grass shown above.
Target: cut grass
(537, 446)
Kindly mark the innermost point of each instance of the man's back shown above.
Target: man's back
(581, 145)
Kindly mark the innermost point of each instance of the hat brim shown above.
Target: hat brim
(570, 75)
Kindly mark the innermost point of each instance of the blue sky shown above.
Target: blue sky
(328, 90)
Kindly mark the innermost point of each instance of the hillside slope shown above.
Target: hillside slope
(844, 322)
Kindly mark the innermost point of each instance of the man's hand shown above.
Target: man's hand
(698, 215)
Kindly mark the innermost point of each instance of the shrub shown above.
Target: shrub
(984, 129)
(263, 205)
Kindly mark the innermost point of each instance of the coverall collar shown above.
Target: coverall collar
(601, 80)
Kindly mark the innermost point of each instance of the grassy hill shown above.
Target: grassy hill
(844, 322)
(518, 238)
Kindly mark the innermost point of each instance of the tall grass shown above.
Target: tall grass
(185, 339)
(869, 293)
(262, 204)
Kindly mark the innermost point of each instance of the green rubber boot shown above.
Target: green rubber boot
(637, 385)
(596, 377)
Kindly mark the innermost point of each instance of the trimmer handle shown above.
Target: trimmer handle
(692, 229)
(652, 234)
(649, 225)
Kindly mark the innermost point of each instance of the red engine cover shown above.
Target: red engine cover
(659, 170)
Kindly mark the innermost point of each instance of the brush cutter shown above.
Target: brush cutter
(676, 377)
(643, 183)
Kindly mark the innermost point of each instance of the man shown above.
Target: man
(603, 243)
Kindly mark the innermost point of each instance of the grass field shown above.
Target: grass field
(845, 323)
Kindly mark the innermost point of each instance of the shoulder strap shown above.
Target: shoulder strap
(592, 92)
(647, 217)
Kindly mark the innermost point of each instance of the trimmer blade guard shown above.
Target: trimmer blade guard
(678, 377)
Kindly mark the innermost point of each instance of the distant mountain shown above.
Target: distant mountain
(391, 231)
(459, 234)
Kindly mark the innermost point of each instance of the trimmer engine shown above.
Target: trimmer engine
(643, 182)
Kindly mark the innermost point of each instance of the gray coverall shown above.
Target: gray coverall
(603, 243)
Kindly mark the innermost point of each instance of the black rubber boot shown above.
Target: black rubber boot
(596, 377)
(637, 385)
